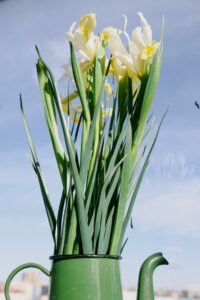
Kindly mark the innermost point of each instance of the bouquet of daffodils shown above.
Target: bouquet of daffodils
(100, 134)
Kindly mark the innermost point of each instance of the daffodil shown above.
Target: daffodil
(83, 38)
(111, 36)
(87, 44)
(141, 48)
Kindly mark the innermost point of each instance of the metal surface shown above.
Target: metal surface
(74, 256)
(92, 277)
(17, 270)
(86, 278)
(145, 282)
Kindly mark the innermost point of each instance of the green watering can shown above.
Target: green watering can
(92, 277)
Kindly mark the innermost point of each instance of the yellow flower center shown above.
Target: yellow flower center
(105, 36)
(149, 50)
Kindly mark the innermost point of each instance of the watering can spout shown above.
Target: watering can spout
(145, 283)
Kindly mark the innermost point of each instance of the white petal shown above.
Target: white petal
(142, 19)
(125, 27)
(147, 32)
(70, 36)
(125, 22)
(137, 38)
(116, 47)
(72, 27)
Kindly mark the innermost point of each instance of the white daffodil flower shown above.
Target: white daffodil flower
(117, 49)
(141, 49)
(83, 38)
(141, 45)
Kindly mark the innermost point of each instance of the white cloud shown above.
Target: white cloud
(175, 210)
(172, 165)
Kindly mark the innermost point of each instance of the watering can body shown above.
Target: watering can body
(86, 278)
(91, 277)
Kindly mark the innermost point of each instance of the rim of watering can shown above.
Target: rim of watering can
(76, 256)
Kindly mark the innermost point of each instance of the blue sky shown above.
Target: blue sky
(166, 214)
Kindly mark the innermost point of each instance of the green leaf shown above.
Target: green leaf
(108, 230)
(98, 79)
(50, 116)
(85, 161)
(93, 178)
(108, 145)
(135, 170)
(97, 91)
(102, 200)
(80, 84)
(59, 220)
(124, 190)
(113, 185)
(112, 120)
(91, 225)
(147, 100)
(70, 240)
(123, 246)
(64, 227)
(117, 146)
(36, 165)
(132, 201)
(81, 213)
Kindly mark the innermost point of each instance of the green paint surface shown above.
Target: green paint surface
(85, 279)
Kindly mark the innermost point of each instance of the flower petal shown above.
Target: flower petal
(147, 32)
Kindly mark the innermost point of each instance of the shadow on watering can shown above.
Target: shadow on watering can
(95, 277)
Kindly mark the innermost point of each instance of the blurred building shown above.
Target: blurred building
(44, 292)
(29, 287)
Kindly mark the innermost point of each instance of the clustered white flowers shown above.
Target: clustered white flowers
(133, 59)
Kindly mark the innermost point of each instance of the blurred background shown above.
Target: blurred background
(166, 216)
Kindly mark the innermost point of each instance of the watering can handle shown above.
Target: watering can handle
(18, 269)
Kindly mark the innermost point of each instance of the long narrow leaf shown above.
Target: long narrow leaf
(117, 146)
(132, 201)
(108, 230)
(64, 227)
(87, 243)
(50, 116)
(46, 198)
(101, 246)
(103, 199)
(148, 97)
(79, 84)
(87, 153)
(59, 220)
(124, 190)
(91, 184)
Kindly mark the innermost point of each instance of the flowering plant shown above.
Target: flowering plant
(101, 177)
